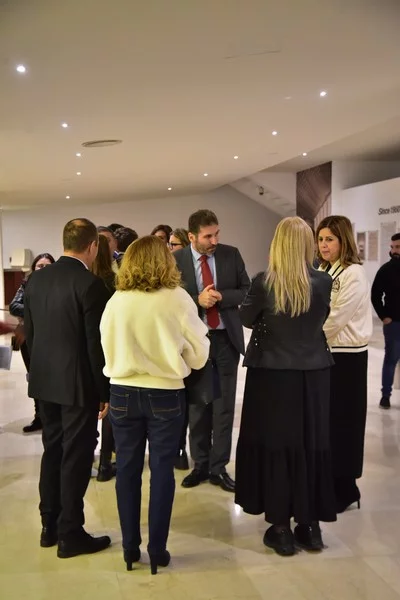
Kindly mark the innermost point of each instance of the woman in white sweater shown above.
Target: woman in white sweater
(348, 330)
(152, 337)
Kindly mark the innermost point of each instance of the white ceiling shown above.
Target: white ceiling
(186, 85)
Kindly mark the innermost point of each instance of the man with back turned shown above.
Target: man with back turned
(63, 308)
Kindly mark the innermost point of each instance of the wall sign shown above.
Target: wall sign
(387, 211)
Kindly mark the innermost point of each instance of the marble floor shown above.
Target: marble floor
(217, 550)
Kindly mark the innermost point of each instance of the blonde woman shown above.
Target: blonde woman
(283, 461)
(348, 330)
(152, 337)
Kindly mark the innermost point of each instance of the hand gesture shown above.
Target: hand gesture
(207, 297)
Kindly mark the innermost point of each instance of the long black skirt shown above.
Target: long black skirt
(348, 413)
(283, 461)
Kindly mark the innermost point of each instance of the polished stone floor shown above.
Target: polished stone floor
(217, 550)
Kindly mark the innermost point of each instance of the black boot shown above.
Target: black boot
(36, 424)
(107, 469)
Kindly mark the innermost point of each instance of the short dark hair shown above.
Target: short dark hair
(114, 227)
(202, 218)
(165, 228)
(39, 257)
(102, 229)
(78, 234)
(395, 237)
(125, 236)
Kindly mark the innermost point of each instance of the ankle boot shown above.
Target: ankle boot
(107, 469)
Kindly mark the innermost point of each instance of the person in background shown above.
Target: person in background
(385, 295)
(215, 276)
(283, 464)
(178, 239)
(348, 330)
(16, 309)
(110, 237)
(115, 226)
(102, 267)
(152, 337)
(163, 232)
(124, 236)
(63, 308)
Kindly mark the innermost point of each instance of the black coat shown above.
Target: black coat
(63, 306)
(385, 292)
(280, 341)
(232, 281)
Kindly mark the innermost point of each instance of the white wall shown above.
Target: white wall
(362, 205)
(244, 223)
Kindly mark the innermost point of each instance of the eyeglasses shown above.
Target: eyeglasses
(174, 244)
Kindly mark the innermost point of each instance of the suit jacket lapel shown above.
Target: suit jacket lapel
(188, 269)
(218, 267)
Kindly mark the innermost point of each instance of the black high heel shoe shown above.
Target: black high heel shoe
(131, 556)
(162, 559)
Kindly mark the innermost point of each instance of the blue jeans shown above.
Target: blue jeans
(137, 415)
(392, 356)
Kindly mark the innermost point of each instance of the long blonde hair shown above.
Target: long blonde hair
(291, 257)
(147, 266)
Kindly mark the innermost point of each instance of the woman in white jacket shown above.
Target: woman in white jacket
(152, 337)
(348, 330)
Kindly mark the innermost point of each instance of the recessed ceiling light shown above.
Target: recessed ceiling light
(236, 157)
(64, 125)
(274, 133)
(78, 154)
(169, 189)
(323, 94)
(304, 153)
(79, 173)
(287, 97)
(21, 69)
(67, 197)
(205, 174)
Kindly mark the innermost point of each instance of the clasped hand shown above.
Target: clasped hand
(209, 296)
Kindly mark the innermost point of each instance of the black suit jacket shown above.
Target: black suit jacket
(63, 306)
(232, 282)
(280, 341)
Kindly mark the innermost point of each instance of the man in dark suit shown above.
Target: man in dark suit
(215, 276)
(63, 308)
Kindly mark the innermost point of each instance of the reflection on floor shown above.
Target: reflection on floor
(217, 550)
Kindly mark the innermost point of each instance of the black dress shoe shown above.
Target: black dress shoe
(82, 544)
(131, 556)
(280, 540)
(196, 477)
(309, 537)
(385, 402)
(161, 559)
(36, 425)
(48, 537)
(181, 461)
(106, 471)
(224, 481)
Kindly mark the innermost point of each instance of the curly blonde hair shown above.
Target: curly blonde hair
(147, 266)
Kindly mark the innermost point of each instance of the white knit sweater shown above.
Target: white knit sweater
(152, 339)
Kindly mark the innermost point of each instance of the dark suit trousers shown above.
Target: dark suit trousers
(69, 440)
(211, 425)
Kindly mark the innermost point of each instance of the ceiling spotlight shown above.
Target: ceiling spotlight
(205, 174)
(304, 153)
(21, 69)
(64, 125)
(78, 154)
(236, 157)
(169, 189)
(274, 133)
(79, 173)
(67, 197)
(323, 94)
(287, 97)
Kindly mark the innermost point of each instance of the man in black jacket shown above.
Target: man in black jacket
(385, 296)
(215, 276)
(63, 307)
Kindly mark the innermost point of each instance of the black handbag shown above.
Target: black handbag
(202, 385)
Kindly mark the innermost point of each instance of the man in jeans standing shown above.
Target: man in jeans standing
(386, 300)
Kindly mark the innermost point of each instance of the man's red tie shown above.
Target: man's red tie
(212, 313)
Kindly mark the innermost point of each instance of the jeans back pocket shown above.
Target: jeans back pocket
(166, 405)
(118, 405)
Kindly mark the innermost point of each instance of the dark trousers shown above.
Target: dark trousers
(211, 425)
(392, 356)
(107, 440)
(27, 362)
(69, 439)
(137, 415)
(182, 441)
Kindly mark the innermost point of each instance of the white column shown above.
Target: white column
(1, 266)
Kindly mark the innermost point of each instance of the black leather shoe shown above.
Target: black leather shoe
(48, 537)
(385, 403)
(106, 471)
(181, 461)
(309, 537)
(195, 478)
(224, 481)
(36, 425)
(82, 544)
(280, 540)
